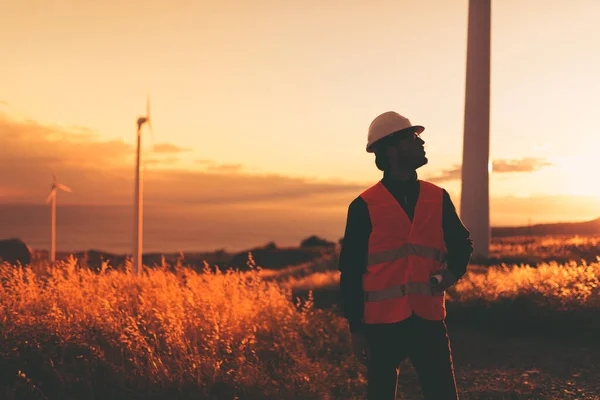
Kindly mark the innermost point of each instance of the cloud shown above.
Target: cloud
(223, 197)
(167, 148)
(213, 166)
(162, 161)
(498, 166)
(522, 165)
(225, 168)
(446, 175)
(102, 172)
(25, 143)
(231, 188)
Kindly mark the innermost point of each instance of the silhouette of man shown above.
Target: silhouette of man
(403, 246)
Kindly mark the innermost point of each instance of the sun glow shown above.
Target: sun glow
(579, 173)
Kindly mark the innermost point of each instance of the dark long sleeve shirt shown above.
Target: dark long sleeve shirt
(354, 252)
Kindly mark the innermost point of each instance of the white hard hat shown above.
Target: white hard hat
(386, 124)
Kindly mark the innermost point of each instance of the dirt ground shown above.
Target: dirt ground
(492, 362)
(489, 366)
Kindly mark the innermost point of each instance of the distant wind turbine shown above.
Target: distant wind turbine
(138, 200)
(52, 199)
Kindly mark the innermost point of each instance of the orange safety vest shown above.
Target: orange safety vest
(402, 256)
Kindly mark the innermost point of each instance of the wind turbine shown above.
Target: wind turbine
(52, 199)
(475, 198)
(138, 200)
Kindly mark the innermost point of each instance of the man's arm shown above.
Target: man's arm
(353, 262)
(458, 239)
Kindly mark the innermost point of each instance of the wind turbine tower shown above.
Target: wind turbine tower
(474, 199)
(52, 199)
(138, 199)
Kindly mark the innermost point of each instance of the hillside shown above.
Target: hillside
(267, 256)
(561, 228)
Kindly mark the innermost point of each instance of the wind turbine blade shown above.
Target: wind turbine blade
(149, 120)
(52, 194)
(151, 133)
(148, 106)
(63, 187)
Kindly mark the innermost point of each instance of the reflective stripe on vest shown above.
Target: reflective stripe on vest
(399, 291)
(404, 251)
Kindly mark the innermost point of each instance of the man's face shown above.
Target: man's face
(406, 149)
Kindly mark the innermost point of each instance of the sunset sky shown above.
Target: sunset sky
(263, 104)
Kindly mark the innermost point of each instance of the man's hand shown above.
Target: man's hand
(448, 279)
(360, 347)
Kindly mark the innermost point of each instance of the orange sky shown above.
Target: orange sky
(267, 103)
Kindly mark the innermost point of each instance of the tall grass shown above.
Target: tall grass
(560, 286)
(74, 332)
(546, 248)
(71, 333)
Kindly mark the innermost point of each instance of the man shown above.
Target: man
(401, 233)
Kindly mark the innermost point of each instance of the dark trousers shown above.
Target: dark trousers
(425, 343)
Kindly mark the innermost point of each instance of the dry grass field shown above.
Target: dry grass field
(518, 331)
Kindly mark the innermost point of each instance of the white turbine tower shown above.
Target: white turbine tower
(52, 199)
(138, 200)
(474, 199)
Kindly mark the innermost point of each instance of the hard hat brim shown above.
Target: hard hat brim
(417, 128)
